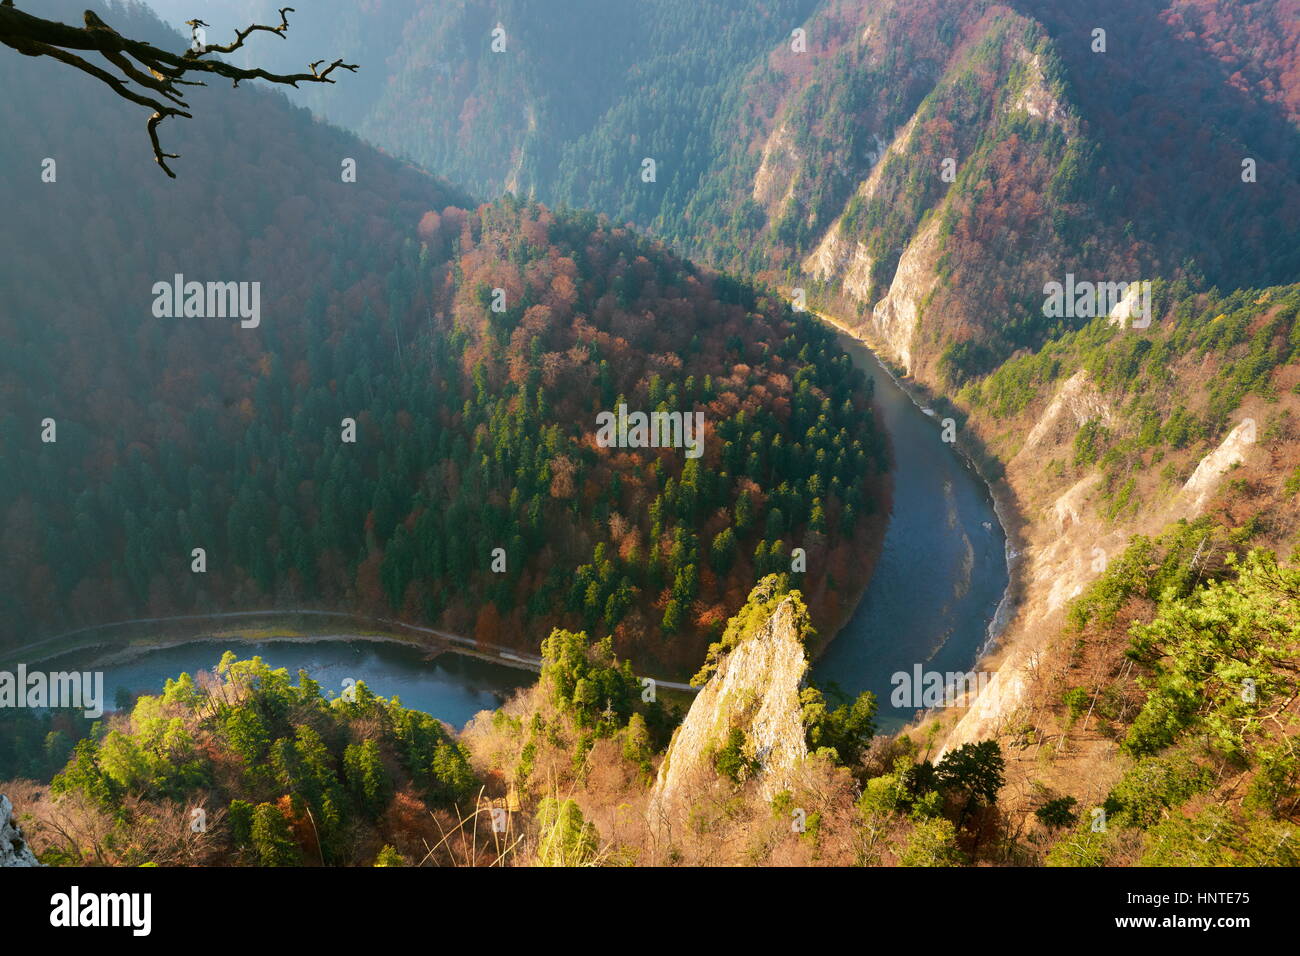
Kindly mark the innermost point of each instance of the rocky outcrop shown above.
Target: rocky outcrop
(1074, 545)
(774, 181)
(14, 850)
(1075, 402)
(838, 258)
(1035, 98)
(755, 689)
(1200, 487)
(1068, 509)
(896, 316)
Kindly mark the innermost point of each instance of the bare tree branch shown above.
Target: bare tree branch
(163, 71)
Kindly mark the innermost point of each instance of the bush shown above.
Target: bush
(1058, 813)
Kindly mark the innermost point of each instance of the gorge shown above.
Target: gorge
(933, 600)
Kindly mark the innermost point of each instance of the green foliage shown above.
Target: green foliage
(1076, 700)
(84, 774)
(587, 681)
(732, 760)
(271, 839)
(974, 771)
(1214, 837)
(1276, 778)
(845, 731)
(1215, 655)
(1058, 813)
(1146, 569)
(1154, 786)
(564, 837)
(35, 745)
(1084, 847)
(932, 842)
(638, 748)
(1220, 657)
(364, 773)
(239, 816)
(762, 602)
(1088, 442)
(389, 856)
(277, 753)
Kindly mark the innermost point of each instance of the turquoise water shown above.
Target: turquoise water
(452, 687)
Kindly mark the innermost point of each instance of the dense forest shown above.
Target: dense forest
(817, 160)
(421, 391)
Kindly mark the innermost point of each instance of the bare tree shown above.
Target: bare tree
(163, 72)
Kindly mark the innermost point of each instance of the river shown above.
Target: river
(931, 603)
(942, 576)
(452, 687)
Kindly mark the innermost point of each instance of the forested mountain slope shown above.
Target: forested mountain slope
(471, 351)
(1150, 672)
(820, 160)
(1151, 669)
(565, 101)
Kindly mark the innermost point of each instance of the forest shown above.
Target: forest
(1064, 158)
(475, 430)
(409, 432)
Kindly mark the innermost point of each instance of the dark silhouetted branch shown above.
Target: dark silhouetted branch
(163, 72)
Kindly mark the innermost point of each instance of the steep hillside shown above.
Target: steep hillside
(820, 159)
(1061, 162)
(562, 102)
(147, 411)
(1157, 470)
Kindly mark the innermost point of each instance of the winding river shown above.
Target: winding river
(933, 602)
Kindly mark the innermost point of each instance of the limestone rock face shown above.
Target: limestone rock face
(775, 179)
(1036, 99)
(838, 257)
(895, 318)
(1075, 402)
(14, 850)
(756, 688)
(1201, 486)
